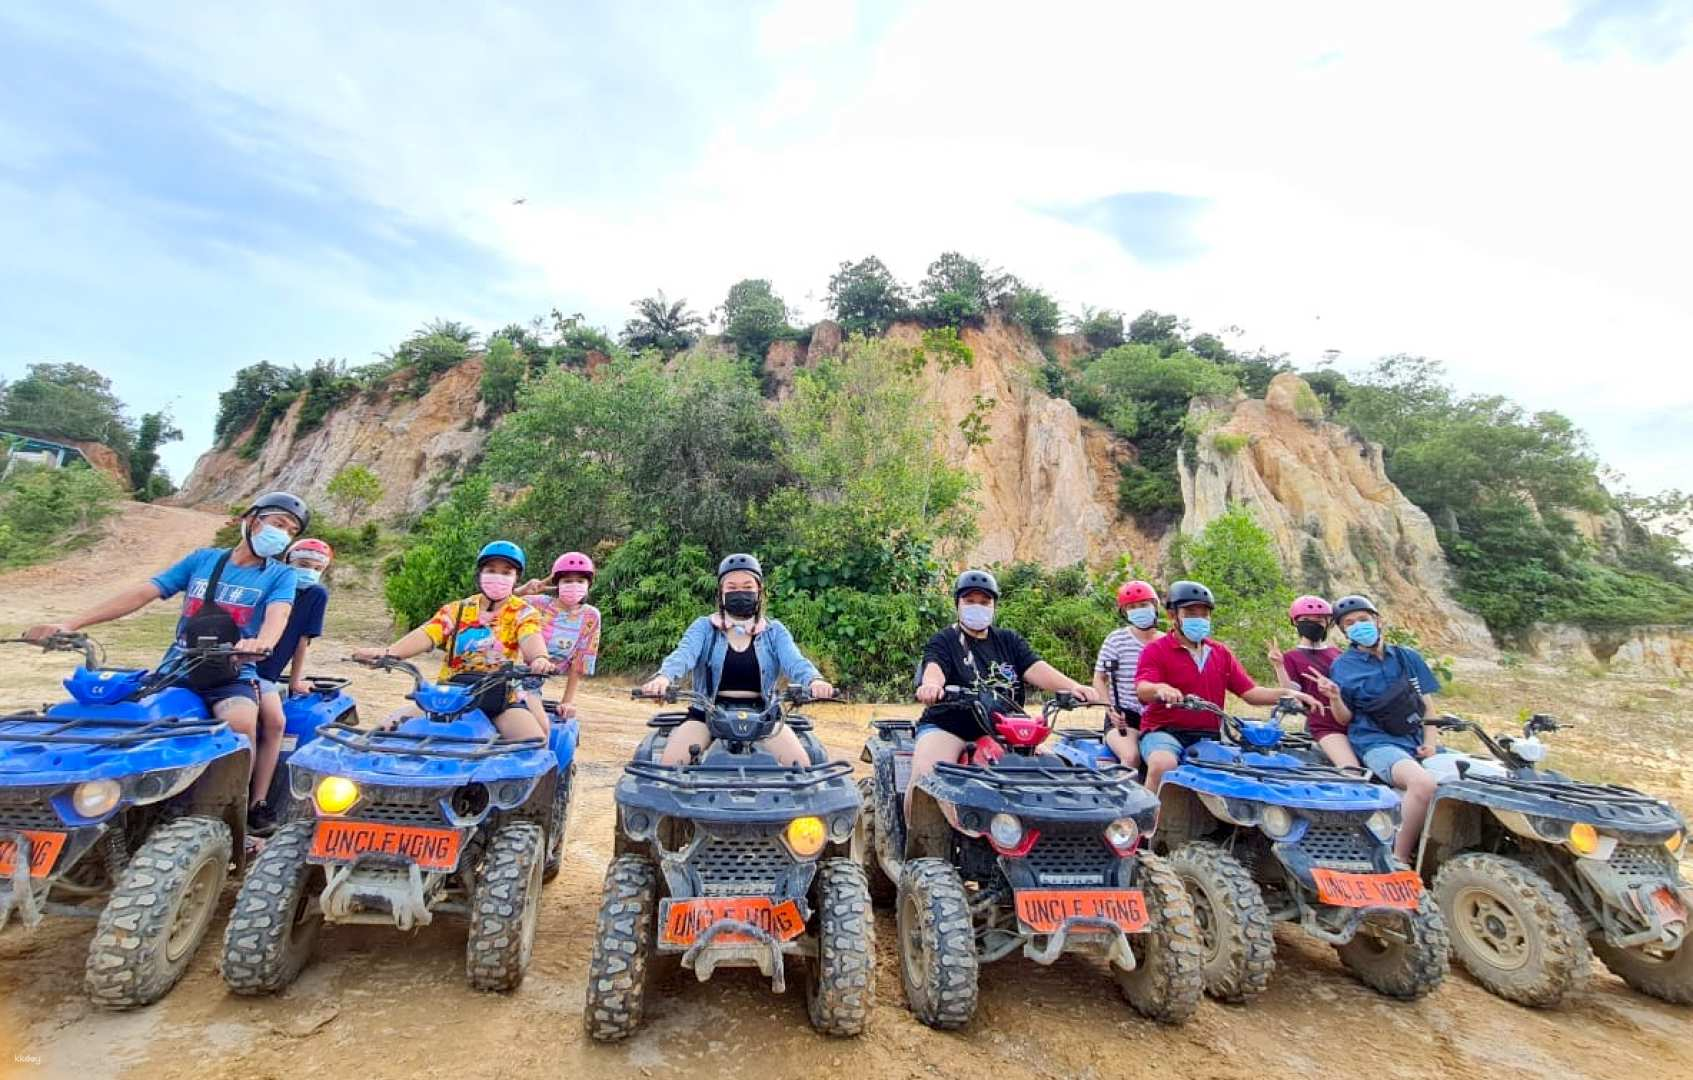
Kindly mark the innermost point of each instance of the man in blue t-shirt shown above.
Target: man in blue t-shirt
(309, 558)
(1387, 687)
(254, 589)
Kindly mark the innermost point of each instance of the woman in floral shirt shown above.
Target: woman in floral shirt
(480, 633)
(571, 625)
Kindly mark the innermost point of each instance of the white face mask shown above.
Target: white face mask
(977, 617)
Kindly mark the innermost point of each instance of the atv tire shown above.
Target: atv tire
(1408, 959)
(623, 948)
(558, 821)
(157, 915)
(841, 983)
(1667, 978)
(276, 919)
(882, 888)
(1169, 975)
(1514, 933)
(937, 944)
(505, 907)
(1236, 936)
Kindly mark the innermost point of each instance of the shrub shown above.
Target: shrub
(1100, 327)
(753, 317)
(502, 375)
(328, 385)
(45, 512)
(255, 386)
(440, 564)
(649, 589)
(1229, 443)
(1237, 560)
(865, 296)
(354, 490)
(1036, 312)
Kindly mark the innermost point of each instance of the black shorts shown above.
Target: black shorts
(958, 724)
(243, 689)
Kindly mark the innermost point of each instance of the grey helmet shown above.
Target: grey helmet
(1188, 592)
(975, 579)
(1346, 605)
(292, 505)
(740, 561)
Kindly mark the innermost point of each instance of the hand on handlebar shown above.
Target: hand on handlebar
(1169, 695)
(250, 647)
(541, 665)
(655, 686)
(821, 690)
(929, 693)
(42, 631)
(368, 657)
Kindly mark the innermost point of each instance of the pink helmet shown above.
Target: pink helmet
(1309, 607)
(573, 562)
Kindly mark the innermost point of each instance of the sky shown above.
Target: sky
(186, 189)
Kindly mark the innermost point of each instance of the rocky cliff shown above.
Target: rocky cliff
(1339, 523)
(413, 445)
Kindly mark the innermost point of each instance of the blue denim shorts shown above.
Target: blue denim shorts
(1381, 760)
(1151, 741)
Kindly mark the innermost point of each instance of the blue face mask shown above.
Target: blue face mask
(1196, 630)
(1142, 618)
(268, 542)
(1364, 634)
(306, 576)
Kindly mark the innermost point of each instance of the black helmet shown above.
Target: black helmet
(288, 504)
(975, 579)
(1346, 605)
(740, 561)
(1188, 592)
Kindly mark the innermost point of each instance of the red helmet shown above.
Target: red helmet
(1309, 607)
(317, 546)
(1135, 592)
(573, 562)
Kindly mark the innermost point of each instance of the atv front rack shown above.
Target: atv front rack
(735, 777)
(458, 747)
(1576, 792)
(130, 730)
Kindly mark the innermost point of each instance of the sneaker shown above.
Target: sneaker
(261, 820)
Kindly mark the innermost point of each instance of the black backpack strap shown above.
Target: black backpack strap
(453, 635)
(216, 579)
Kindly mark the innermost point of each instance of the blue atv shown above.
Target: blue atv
(734, 860)
(127, 805)
(1260, 832)
(440, 815)
(1536, 872)
(1039, 855)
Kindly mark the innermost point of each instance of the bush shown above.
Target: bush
(865, 296)
(327, 386)
(269, 413)
(45, 512)
(502, 376)
(1229, 444)
(354, 490)
(348, 542)
(753, 317)
(440, 564)
(1035, 312)
(1065, 613)
(1100, 327)
(255, 386)
(649, 589)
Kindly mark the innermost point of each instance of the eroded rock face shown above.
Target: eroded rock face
(1047, 479)
(1663, 651)
(1339, 523)
(414, 446)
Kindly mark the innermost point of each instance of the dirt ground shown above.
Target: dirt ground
(379, 1003)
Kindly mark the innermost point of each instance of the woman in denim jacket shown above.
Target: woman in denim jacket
(735, 656)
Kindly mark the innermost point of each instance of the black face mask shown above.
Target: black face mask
(741, 603)
(1311, 631)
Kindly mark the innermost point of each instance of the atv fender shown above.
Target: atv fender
(928, 834)
(221, 793)
(1182, 818)
(1453, 826)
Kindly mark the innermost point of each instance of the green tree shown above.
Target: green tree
(1035, 311)
(440, 563)
(662, 324)
(354, 490)
(866, 297)
(156, 429)
(45, 512)
(255, 385)
(70, 401)
(502, 375)
(754, 316)
(328, 385)
(956, 289)
(1166, 333)
(1102, 328)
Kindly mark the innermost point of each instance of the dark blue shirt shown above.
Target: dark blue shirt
(1362, 677)
(305, 621)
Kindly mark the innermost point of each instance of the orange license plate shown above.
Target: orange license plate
(344, 841)
(1399, 890)
(1044, 910)
(1669, 905)
(44, 848)
(683, 921)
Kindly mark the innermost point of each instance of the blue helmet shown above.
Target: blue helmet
(503, 549)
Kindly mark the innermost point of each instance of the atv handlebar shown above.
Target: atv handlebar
(94, 654)
(1497, 745)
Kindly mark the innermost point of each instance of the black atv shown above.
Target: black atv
(1533, 870)
(734, 860)
(1047, 859)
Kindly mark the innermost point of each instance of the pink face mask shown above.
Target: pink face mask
(496, 586)
(573, 592)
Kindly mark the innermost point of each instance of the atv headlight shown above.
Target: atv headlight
(1381, 826)
(161, 784)
(1674, 843)
(96, 798)
(1122, 834)
(1005, 831)
(1276, 821)
(805, 836)
(336, 795)
(300, 781)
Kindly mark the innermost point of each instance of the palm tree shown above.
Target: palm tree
(662, 325)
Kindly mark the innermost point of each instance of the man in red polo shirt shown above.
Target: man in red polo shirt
(1189, 661)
